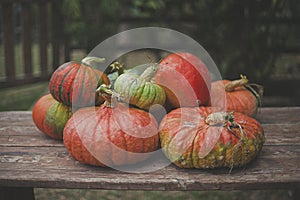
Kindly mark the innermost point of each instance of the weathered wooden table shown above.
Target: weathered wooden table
(29, 159)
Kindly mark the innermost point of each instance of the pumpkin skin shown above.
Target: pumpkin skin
(186, 80)
(75, 84)
(238, 98)
(140, 90)
(189, 141)
(51, 116)
(105, 136)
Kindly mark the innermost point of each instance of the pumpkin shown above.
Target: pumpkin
(111, 135)
(75, 84)
(240, 96)
(205, 137)
(186, 80)
(50, 116)
(140, 90)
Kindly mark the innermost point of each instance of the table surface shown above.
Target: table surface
(28, 158)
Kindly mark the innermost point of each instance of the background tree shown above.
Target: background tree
(242, 36)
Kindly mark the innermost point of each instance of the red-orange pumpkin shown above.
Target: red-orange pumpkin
(111, 135)
(186, 80)
(75, 84)
(239, 96)
(204, 137)
(51, 116)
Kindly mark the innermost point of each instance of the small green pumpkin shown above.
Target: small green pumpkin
(140, 90)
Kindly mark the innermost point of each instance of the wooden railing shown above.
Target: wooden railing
(49, 31)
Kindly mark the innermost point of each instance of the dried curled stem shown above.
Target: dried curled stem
(230, 86)
(238, 146)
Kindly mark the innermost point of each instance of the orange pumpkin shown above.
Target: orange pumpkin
(240, 96)
(111, 135)
(186, 80)
(74, 84)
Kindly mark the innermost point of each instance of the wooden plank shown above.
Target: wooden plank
(282, 134)
(266, 115)
(54, 157)
(46, 168)
(43, 36)
(26, 38)
(37, 140)
(12, 134)
(49, 167)
(20, 124)
(15, 116)
(271, 115)
(8, 40)
(279, 115)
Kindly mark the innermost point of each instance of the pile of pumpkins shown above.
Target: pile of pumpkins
(172, 105)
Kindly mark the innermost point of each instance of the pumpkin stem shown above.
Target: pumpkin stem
(257, 91)
(92, 60)
(230, 86)
(116, 66)
(149, 73)
(109, 96)
(219, 118)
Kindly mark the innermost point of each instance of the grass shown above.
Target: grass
(70, 194)
(21, 97)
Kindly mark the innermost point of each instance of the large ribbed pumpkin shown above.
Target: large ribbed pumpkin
(185, 79)
(75, 84)
(111, 135)
(240, 96)
(205, 137)
(140, 90)
(51, 116)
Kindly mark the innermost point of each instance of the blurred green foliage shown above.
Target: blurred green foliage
(242, 36)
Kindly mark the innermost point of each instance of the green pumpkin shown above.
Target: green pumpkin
(140, 90)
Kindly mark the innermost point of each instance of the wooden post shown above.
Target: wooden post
(26, 38)
(55, 9)
(8, 38)
(66, 48)
(43, 37)
(10, 193)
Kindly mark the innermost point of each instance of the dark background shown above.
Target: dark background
(258, 38)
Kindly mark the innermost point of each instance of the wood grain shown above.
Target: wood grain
(28, 158)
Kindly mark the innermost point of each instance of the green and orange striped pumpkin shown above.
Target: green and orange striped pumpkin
(140, 90)
(50, 116)
(207, 137)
